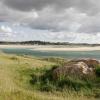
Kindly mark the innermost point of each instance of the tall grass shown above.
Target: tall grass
(43, 80)
(16, 81)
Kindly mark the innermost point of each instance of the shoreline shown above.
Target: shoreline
(52, 47)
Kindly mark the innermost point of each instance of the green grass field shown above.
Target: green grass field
(15, 76)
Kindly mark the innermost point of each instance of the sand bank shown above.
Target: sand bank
(52, 48)
(69, 49)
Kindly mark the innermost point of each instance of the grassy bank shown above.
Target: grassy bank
(16, 75)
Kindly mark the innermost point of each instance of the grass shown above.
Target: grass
(16, 73)
(42, 79)
(98, 71)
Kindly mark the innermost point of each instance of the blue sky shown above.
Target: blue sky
(50, 20)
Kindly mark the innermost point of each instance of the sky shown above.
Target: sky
(75, 21)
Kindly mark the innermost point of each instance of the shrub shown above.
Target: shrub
(14, 58)
(35, 78)
(47, 83)
(98, 71)
(73, 83)
(47, 86)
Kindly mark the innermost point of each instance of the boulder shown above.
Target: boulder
(92, 63)
(83, 68)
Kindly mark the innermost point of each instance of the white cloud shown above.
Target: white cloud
(55, 20)
(6, 30)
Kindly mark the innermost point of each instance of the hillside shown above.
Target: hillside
(15, 76)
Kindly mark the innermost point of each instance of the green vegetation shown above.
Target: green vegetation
(98, 71)
(47, 43)
(43, 80)
(59, 61)
(30, 78)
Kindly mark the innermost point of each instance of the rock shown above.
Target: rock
(85, 69)
(90, 62)
(80, 68)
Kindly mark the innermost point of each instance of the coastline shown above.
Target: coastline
(52, 47)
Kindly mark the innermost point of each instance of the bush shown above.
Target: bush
(73, 83)
(98, 71)
(47, 83)
(35, 78)
(14, 58)
(47, 86)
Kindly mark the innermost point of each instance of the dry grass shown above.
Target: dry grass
(16, 86)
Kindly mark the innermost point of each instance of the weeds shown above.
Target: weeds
(47, 83)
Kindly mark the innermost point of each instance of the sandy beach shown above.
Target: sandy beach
(70, 49)
(51, 48)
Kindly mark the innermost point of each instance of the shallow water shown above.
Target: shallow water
(64, 54)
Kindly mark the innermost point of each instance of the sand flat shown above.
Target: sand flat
(70, 49)
(52, 48)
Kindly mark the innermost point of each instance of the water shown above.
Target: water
(64, 54)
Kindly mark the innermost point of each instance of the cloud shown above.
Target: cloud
(59, 18)
(5, 32)
(88, 6)
(49, 20)
(91, 24)
(6, 29)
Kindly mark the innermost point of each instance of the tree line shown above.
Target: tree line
(46, 43)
